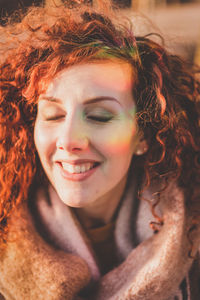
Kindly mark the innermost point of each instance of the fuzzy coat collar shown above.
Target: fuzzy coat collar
(153, 265)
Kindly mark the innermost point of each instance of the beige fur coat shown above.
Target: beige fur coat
(151, 266)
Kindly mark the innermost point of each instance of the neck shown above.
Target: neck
(102, 211)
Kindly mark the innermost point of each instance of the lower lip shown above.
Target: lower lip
(79, 176)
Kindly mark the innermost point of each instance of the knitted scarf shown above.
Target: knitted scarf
(59, 262)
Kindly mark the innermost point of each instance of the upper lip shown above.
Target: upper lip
(77, 161)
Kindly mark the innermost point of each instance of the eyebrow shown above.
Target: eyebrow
(101, 98)
(89, 101)
(50, 99)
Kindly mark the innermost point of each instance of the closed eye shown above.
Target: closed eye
(101, 119)
(99, 115)
(54, 118)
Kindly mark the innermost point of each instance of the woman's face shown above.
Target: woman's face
(86, 133)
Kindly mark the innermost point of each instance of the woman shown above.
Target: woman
(100, 161)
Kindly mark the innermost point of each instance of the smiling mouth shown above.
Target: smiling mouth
(79, 168)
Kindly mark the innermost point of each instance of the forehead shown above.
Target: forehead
(93, 77)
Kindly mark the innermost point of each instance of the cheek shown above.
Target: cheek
(44, 141)
(120, 141)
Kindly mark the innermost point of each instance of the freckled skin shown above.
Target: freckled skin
(70, 121)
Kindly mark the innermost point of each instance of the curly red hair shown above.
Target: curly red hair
(46, 41)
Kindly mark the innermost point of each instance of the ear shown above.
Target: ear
(142, 146)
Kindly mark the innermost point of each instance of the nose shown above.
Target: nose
(72, 136)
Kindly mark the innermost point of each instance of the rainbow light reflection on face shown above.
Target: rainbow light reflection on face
(86, 133)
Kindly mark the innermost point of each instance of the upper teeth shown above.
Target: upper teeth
(77, 168)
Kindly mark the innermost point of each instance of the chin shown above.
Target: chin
(76, 203)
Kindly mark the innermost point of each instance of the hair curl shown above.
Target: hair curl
(44, 42)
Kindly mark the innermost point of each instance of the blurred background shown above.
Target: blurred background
(178, 21)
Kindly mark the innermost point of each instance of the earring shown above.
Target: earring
(142, 148)
(140, 151)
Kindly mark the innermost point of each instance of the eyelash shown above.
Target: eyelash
(93, 118)
(54, 118)
(100, 119)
